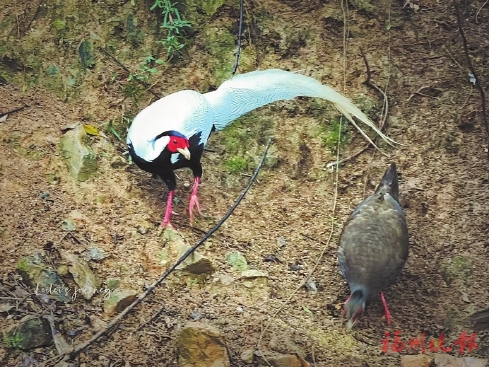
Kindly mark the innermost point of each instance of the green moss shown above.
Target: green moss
(59, 25)
(363, 5)
(221, 45)
(242, 141)
(457, 268)
(334, 132)
(24, 264)
(211, 6)
(14, 340)
(237, 164)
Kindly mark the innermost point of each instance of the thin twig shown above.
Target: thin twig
(158, 313)
(240, 28)
(150, 289)
(453, 58)
(148, 87)
(479, 10)
(418, 93)
(12, 111)
(472, 69)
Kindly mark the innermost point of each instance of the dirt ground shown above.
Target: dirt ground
(434, 112)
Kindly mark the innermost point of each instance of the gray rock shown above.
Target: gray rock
(82, 275)
(175, 247)
(247, 356)
(42, 278)
(78, 155)
(94, 253)
(119, 299)
(30, 332)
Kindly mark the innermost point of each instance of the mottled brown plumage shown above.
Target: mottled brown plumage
(374, 246)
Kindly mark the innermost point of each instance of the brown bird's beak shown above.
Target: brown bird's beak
(185, 152)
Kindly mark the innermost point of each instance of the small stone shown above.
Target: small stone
(417, 360)
(237, 261)
(201, 345)
(142, 230)
(78, 155)
(94, 253)
(446, 360)
(97, 323)
(281, 242)
(225, 279)
(175, 247)
(247, 356)
(280, 360)
(253, 273)
(311, 286)
(31, 332)
(119, 299)
(44, 280)
(82, 275)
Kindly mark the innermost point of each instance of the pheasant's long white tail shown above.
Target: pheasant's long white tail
(246, 92)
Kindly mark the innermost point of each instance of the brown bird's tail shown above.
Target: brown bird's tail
(389, 183)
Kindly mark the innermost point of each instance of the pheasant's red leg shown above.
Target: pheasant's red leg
(387, 313)
(194, 201)
(166, 219)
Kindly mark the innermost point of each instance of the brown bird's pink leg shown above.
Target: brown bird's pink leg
(166, 219)
(387, 313)
(194, 201)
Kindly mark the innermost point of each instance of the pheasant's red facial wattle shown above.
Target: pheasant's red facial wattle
(178, 144)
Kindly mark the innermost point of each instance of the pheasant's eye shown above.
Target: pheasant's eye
(174, 141)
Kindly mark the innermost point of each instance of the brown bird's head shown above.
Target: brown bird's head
(354, 307)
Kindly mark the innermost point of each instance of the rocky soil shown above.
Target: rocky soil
(92, 223)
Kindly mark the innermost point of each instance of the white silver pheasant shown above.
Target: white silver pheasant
(171, 133)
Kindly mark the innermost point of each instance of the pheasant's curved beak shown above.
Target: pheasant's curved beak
(185, 152)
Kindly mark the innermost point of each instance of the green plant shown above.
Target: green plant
(173, 24)
(147, 68)
(117, 127)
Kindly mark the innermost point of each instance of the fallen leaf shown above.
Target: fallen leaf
(91, 130)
